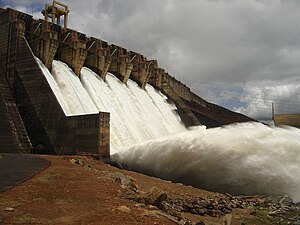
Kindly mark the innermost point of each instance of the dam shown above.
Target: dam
(63, 92)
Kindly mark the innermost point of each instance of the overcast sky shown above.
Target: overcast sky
(241, 54)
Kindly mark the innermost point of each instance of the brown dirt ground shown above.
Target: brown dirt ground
(67, 193)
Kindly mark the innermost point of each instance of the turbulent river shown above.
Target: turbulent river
(148, 136)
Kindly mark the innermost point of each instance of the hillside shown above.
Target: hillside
(287, 120)
(79, 190)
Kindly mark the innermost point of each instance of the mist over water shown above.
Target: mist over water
(247, 158)
(148, 136)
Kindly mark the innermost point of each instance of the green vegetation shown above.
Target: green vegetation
(287, 119)
(1, 157)
(261, 217)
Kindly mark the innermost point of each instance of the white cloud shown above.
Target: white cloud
(258, 100)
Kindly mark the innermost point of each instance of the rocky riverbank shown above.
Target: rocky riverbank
(80, 190)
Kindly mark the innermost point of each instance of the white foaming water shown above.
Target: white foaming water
(56, 90)
(245, 158)
(136, 115)
(78, 100)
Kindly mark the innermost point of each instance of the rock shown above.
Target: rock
(124, 209)
(200, 223)
(124, 180)
(151, 207)
(153, 197)
(214, 213)
(201, 211)
(139, 205)
(286, 201)
(88, 167)
(76, 161)
(9, 209)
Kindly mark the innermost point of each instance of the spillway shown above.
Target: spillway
(77, 98)
(148, 136)
(137, 115)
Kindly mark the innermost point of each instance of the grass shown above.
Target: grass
(261, 217)
(287, 119)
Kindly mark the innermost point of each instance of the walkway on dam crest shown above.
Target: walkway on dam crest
(16, 168)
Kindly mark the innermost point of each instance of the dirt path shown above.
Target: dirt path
(16, 168)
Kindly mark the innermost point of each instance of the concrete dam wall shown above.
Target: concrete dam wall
(31, 118)
(42, 126)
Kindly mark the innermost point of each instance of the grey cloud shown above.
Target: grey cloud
(258, 100)
(238, 42)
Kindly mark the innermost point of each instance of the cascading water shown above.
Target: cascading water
(136, 115)
(147, 136)
(78, 100)
(55, 88)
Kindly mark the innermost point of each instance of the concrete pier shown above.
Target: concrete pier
(43, 42)
(72, 50)
(98, 57)
(156, 75)
(140, 71)
(121, 64)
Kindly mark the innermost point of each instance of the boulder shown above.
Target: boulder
(153, 197)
